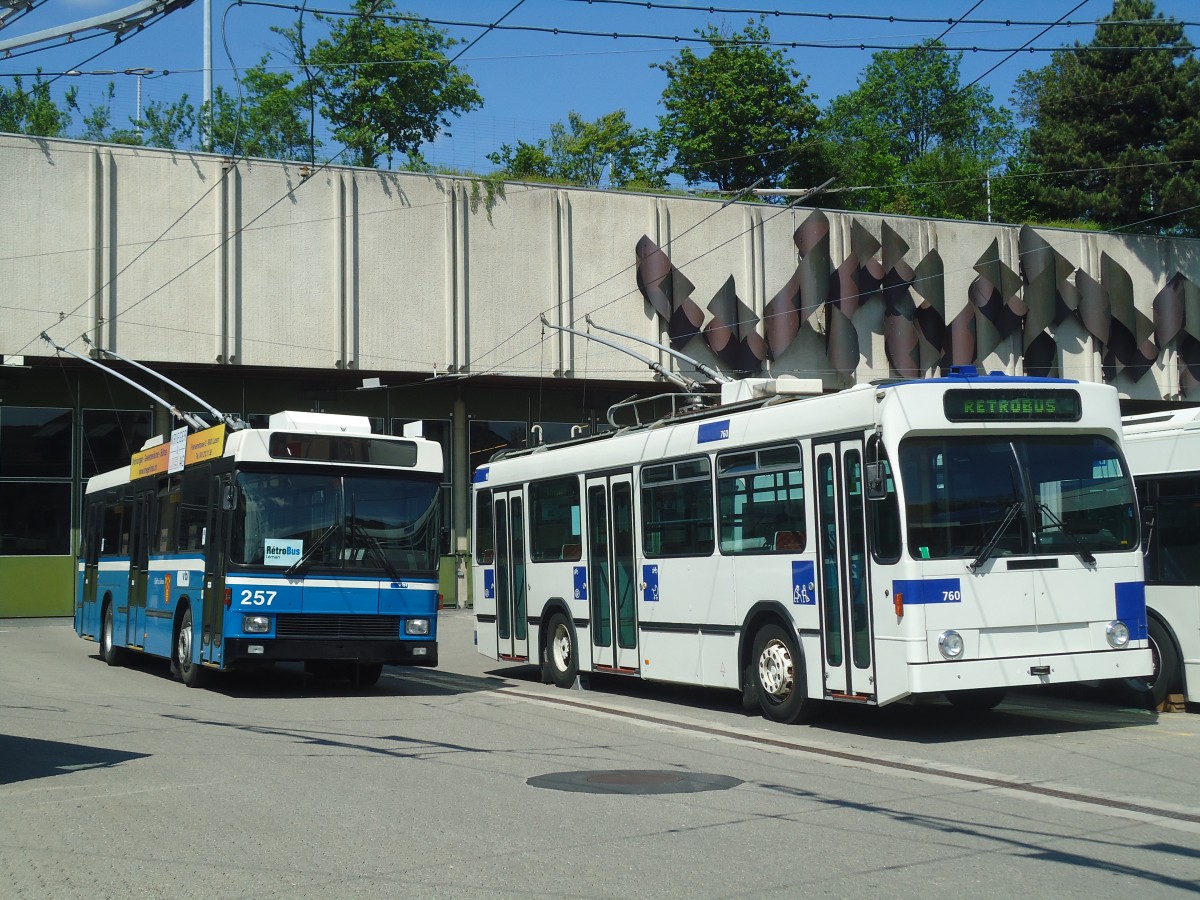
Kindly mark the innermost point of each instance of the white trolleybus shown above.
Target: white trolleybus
(310, 540)
(1164, 454)
(958, 536)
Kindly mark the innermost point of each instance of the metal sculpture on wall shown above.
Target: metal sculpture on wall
(1002, 305)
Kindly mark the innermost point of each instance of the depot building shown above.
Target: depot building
(418, 301)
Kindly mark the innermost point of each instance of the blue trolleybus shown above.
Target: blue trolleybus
(956, 536)
(311, 540)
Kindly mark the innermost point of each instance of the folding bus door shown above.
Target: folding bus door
(846, 633)
(512, 620)
(216, 545)
(145, 519)
(612, 585)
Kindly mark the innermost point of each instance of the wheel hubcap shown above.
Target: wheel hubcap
(185, 645)
(562, 648)
(776, 672)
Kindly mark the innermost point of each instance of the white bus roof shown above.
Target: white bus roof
(253, 445)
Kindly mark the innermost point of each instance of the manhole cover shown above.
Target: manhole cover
(634, 781)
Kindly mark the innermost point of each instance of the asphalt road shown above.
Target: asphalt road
(475, 780)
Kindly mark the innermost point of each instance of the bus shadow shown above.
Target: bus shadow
(1024, 712)
(291, 681)
(24, 759)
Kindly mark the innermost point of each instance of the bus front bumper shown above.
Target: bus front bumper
(1028, 671)
(401, 653)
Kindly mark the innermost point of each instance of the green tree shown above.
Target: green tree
(97, 123)
(170, 126)
(384, 88)
(737, 114)
(34, 111)
(913, 140)
(1113, 128)
(270, 120)
(581, 153)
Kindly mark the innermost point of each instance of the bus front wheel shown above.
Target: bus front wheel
(779, 673)
(1152, 690)
(190, 672)
(560, 663)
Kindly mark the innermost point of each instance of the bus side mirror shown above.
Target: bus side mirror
(876, 483)
(1147, 516)
(228, 498)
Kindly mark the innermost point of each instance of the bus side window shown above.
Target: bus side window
(485, 531)
(883, 511)
(1175, 540)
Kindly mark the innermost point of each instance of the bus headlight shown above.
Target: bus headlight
(416, 626)
(1117, 633)
(950, 644)
(256, 624)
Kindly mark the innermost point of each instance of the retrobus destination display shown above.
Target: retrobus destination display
(1013, 405)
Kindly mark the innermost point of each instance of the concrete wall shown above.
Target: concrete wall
(185, 258)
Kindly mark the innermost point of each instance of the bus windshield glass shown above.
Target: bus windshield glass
(974, 497)
(385, 525)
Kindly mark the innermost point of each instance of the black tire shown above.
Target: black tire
(366, 675)
(1152, 690)
(977, 700)
(779, 676)
(109, 651)
(190, 673)
(560, 658)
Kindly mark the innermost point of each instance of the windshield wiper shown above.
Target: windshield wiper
(304, 561)
(1014, 509)
(371, 543)
(1058, 523)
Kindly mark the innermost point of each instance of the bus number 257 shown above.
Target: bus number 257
(256, 598)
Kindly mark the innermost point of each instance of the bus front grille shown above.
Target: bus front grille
(336, 627)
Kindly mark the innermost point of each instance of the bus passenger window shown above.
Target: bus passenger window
(761, 501)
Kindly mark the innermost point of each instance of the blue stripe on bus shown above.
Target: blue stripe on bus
(1131, 607)
(713, 431)
(480, 476)
(929, 590)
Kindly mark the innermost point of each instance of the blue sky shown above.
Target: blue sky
(530, 80)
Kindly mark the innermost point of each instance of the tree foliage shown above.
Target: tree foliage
(583, 153)
(34, 111)
(1113, 128)
(384, 88)
(913, 140)
(269, 119)
(736, 115)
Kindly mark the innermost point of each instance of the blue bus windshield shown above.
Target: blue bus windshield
(371, 524)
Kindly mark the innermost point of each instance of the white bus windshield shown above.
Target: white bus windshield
(369, 524)
(1016, 495)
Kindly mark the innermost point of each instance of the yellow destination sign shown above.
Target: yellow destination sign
(206, 444)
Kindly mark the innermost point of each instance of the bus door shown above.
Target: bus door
(215, 555)
(512, 618)
(87, 612)
(144, 522)
(611, 573)
(847, 636)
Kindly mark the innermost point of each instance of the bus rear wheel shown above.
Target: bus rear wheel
(779, 673)
(560, 662)
(190, 673)
(109, 651)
